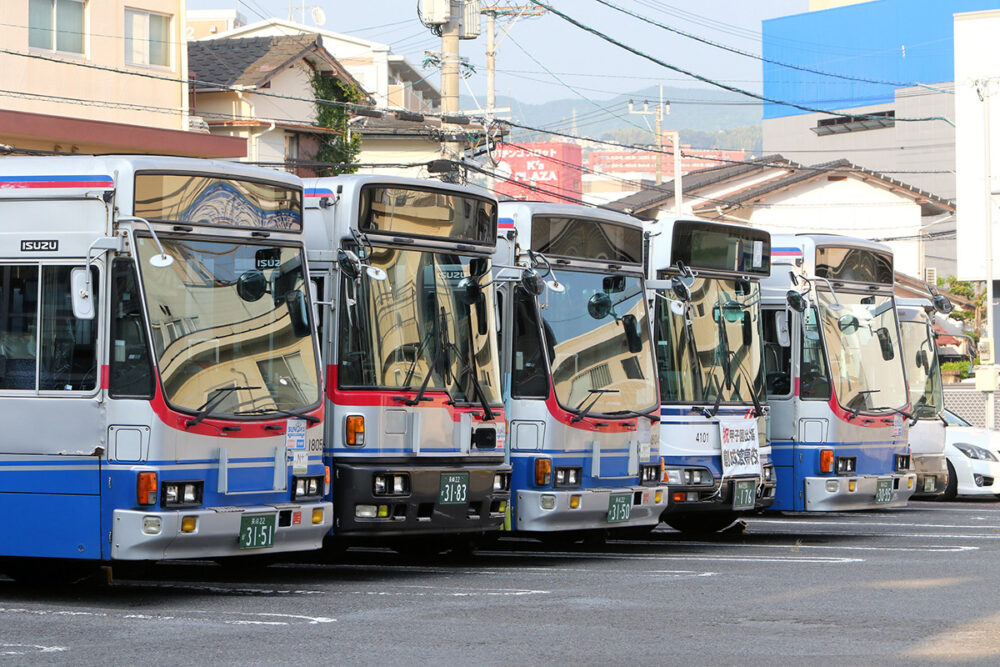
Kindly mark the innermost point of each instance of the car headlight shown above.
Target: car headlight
(975, 452)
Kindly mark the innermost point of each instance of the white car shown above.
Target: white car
(973, 459)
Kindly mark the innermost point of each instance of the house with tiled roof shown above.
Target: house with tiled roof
(260, 88)
(785, 197)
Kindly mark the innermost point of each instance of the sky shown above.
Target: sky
(546, 58)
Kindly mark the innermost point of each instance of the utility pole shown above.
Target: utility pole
(662, 109)
(451, 150)
(988, 384)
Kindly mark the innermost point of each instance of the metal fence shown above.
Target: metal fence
(970, 404)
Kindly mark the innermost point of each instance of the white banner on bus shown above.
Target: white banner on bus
(740, 447)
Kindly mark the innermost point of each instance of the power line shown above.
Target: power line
(704, 79)
(755, 56)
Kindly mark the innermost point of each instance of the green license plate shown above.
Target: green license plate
(744, 494)
(257, 531)
(883, 491)
(619, 507)
(454, 488)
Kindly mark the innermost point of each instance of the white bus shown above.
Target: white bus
(836, 385)
(705, 291)
(159, 379)
(579, 373)
(415, 423)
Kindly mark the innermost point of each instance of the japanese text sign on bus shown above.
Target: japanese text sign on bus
(740, 447)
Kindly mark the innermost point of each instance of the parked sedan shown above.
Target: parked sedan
(973, 459)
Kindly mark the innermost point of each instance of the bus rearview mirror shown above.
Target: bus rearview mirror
(83, 294)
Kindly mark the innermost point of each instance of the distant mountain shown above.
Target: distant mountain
(700, 114)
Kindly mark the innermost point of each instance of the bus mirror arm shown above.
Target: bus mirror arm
(82, 290)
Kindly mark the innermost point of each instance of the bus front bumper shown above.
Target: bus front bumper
(713, 499)
(932, 474)
(215, 532)
(827, 494)
(424, 508)
(546, 511)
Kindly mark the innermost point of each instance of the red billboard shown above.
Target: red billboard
(541, 171)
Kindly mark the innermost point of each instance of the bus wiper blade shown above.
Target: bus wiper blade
(206, 408)
(476, 386)
(312, 419)
(856, 411)
(652, 414)
(898, 411)
(597, 393)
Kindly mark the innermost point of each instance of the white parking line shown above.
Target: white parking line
(869, 523)
(185, 615)
(493, 570)
(443, 591)
(685, 557)
(946, 548)
(29, 649)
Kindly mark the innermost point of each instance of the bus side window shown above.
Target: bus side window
(18, 326)
(131, 373)
(529, 378)
(68, 346)
(814, 379)
(777, 358)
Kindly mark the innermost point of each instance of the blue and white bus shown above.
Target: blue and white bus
(705, 298)
(836, 385)
(159, 376)
(415, 421)
(579, 374)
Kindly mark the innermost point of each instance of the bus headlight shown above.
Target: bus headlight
(391, 484)
(305, 487)
(569, 476)
(648, 474)
(180, 494)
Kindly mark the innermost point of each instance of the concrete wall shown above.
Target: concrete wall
(977, 58)
(104, 45)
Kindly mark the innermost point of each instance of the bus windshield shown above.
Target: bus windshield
(711, 344)
(926, 392)
(598, 343)
(862, 343)
(231, 326)
(420, 321)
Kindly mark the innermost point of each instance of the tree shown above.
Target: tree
(340, 150)
(974, 292)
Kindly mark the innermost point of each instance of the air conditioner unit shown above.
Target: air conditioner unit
(435, 12)
(469, 28)
(930, 276)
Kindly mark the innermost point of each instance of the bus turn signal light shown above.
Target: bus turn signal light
(146, 488)
(543, 472)
(354, 433)
(826, 460)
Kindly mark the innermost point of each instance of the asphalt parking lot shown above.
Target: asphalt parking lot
(914, 585)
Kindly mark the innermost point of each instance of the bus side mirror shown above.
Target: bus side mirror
(468, 291)
(922, 360)
(747, 330)
(251, 285)
(885, 343)
(942, 304)
(599, 305)
(83, 294)
(298, 313)
(632, 338)
(795, 301)
(781, 328)
(531, 282)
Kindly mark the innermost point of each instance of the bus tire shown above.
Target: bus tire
(701, 523)
(951, 490)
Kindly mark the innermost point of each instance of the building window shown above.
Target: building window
(56, 25)
(842, 124)
(147, 38)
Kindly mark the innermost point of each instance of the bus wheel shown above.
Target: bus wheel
(700, 524)
(951, 490)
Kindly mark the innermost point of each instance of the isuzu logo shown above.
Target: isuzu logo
(39, 246)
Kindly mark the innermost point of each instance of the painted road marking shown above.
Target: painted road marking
(686, 557)
(870, 523)
(493, 570)
(29, 649)
(184, 615)
(945, 548)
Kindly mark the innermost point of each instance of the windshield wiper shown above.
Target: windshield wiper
(213, 402)
(476, 386)
(312, 419)
(856, 411)
(896, 410)
(653, 414)
(596, 393)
